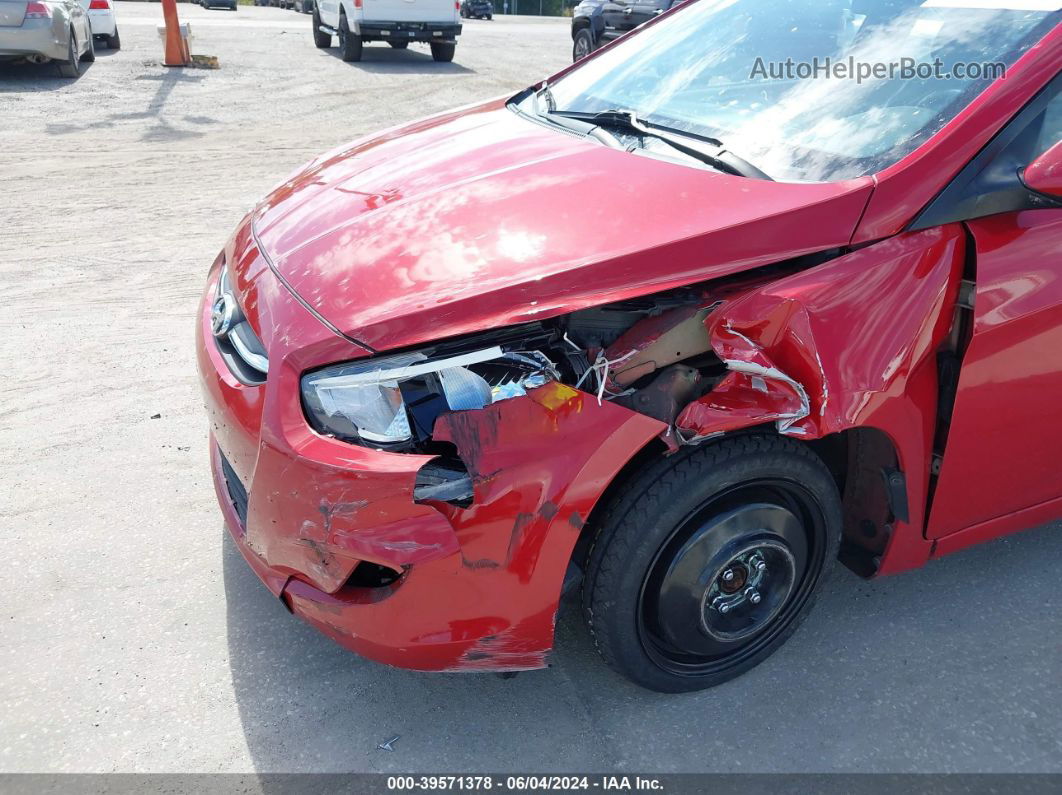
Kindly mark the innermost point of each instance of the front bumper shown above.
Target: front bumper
(479, 587)
(408, 31)
(35, 37)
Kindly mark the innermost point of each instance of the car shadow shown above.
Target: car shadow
(931, 640)
(379, 58)
(24, 77)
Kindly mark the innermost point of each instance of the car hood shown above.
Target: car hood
(483, 218)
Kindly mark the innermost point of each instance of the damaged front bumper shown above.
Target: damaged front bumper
(451, 588)
(477, 589)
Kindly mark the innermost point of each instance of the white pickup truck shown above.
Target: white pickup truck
(398, 22)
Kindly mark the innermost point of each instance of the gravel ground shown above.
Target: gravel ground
(135, 638)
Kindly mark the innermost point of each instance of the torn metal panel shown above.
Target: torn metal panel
(528, 458)
(754, 392)
(822, 350)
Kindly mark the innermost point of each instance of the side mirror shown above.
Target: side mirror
(1044, 174)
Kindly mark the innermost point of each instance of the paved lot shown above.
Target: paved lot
(133, 636)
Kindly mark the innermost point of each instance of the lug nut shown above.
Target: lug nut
(753, 596)
(724, 608)
(760, 565)
(728, 575)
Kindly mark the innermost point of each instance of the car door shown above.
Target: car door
(617, 15)
(1005, 437)
(644, 10)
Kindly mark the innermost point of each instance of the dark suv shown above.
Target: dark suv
(477, 9)
(597, 22)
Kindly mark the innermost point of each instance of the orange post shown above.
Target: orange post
(176, 48)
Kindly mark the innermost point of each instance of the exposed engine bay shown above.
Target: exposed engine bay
(652, 355)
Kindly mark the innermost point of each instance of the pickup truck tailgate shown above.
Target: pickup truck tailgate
(408, 10)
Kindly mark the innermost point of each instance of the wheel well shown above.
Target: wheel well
(873, 491)
(860, 460)
(651, 452)
(582, 23)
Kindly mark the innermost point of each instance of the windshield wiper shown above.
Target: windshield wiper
(594, 130)
(718, 156)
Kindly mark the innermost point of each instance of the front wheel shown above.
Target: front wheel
(114, 42)
(443, 51)
(710, 560)
(321, 40)
(583, 44)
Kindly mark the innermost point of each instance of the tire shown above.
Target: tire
(582, 45)
(399, 45)
(321, 40)
(349, 44)
(90, 53)
(443, 51)
(675, 596)
(70, 67)
(114, 42)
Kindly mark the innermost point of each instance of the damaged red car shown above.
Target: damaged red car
(680, 326)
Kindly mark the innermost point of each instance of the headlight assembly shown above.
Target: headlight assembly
(393, 401)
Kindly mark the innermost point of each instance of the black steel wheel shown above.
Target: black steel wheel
(709, 561)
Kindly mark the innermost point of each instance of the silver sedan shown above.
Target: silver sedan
(46, 30)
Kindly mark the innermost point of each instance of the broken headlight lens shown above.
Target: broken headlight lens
(395, 399)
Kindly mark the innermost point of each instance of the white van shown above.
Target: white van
(398, 22)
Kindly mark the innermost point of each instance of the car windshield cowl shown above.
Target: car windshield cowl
(710, 151)
(815, 91)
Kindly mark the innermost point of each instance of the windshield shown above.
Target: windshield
(810, 90)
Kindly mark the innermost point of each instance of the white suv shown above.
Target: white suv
(398, 22)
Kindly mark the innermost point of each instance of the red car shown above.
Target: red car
(683, 324)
